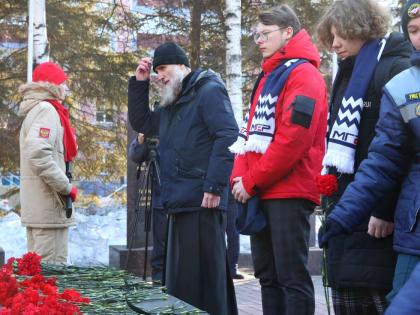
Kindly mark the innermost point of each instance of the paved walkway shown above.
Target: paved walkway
(248, 295)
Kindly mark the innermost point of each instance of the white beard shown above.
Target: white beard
(170, 92)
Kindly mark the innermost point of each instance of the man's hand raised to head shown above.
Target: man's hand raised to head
(143, 69)
(140, 138)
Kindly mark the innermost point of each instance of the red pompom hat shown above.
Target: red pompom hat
(49, 72)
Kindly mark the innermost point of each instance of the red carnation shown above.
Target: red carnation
(29, 264)
(327, 184)
(34, 295)
(8, 287)
(73, 295)
(11, 265)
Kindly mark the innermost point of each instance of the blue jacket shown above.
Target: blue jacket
(407, 300)
(347, 262)
(195, 133)
(394, 158)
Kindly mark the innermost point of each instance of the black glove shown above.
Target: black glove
(332, 228)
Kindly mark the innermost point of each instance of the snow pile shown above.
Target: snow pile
(97, 228)
(89, 241)
(12, 236)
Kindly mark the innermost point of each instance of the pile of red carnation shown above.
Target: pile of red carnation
(36, 294)
(327, 184)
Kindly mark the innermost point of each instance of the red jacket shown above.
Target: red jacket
(289, 166)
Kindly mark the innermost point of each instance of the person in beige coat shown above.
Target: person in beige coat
(46, 142)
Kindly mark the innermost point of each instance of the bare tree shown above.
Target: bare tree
(41, 47)
(233, 56)
(196, 9)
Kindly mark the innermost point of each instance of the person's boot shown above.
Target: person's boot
(235, 274)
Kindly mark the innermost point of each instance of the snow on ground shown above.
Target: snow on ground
(12, 236)
(89, 241)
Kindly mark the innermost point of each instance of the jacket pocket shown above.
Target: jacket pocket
(60, 200)
(185, 170)
(414, 220)
(413, 214)
(191, 173)
(406, 215)
(303, 108)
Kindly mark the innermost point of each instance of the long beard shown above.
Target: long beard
(170, 92)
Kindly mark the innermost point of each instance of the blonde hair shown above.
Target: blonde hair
(353, 19)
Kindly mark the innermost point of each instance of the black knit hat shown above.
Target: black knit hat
(169, 54)
(411, 10)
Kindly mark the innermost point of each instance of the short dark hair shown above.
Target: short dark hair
(282, 16)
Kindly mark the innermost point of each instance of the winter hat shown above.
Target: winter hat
(169, 54)
(411, 11)
(49, 72)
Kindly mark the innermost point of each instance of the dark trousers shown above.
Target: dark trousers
(280, 255)
(196, 269)
(232, 235)
(159, 220)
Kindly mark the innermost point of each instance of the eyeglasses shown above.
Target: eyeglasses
(264, 35)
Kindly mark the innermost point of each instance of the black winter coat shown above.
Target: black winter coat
(359, 260)
(195, 133)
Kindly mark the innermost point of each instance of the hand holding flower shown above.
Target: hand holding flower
(330, 229)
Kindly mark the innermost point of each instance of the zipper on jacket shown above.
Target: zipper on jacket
(415, 221)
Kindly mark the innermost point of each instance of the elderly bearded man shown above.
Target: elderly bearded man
(195, 125)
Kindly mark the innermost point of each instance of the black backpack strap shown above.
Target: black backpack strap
(388, 68)
(383, 74)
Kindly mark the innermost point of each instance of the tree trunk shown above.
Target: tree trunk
(233, 57)
(196, 9)
(41, 46)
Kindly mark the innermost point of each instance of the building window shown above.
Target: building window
(103, 117)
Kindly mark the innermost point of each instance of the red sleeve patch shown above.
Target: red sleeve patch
(44, 133)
